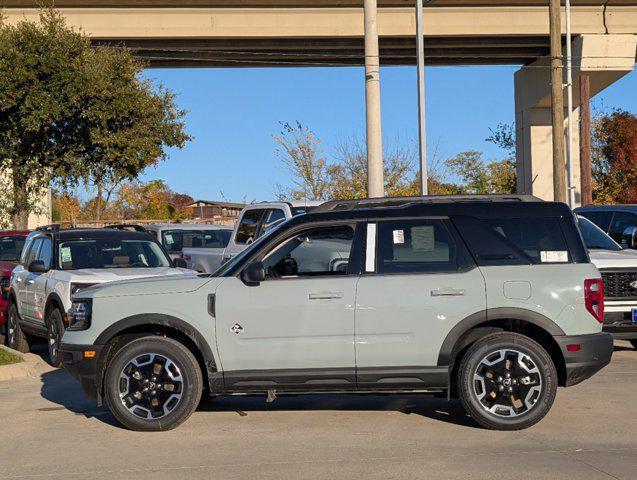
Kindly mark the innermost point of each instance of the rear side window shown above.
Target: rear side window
(621, 221)
(520, 240)
(413, 246)
(247, 230)
(539, 238)
(601, 219)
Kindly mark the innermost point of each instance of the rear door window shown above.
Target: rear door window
(412, 246)
(247, 230)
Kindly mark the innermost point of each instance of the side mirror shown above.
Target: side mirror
(37, 266)
(629, 238)
(253, 273)
(180, 263)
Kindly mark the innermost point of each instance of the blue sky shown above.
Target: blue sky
(233, 114)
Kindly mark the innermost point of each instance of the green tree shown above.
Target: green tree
(72, 113)
(480, 177)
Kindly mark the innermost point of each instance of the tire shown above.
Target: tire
(15, 337)
(55, 330)
(634, 344)
(500, 362)
(138, 394)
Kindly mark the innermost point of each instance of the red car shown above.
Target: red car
(11, 243)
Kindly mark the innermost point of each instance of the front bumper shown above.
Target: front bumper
(81, 367)
(594, 353)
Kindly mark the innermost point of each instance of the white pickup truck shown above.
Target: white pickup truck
(254, 221)
(618, 267)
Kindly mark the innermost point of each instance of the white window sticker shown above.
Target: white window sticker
(65, 254)
(399, 237)
(422, 239)
(553, 256)
(169, 238)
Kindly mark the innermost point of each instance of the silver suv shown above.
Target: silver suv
(493, 300)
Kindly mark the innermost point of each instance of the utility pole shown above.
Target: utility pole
(585, 139)
(420, 64)
(569, 108)
(557, 102)
(375, 181)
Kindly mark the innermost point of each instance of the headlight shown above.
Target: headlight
(78, 287)
(79, 315)
(4, 286)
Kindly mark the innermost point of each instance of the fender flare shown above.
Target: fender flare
(54, 298)
(149, 319)
(445, 357)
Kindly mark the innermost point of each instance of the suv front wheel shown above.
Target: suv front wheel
(507, 381)
(152, 384)
(55, 330)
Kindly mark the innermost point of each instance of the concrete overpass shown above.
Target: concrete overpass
(289, 33)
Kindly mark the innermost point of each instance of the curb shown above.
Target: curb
(32, 366)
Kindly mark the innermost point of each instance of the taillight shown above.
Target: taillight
(594, 297)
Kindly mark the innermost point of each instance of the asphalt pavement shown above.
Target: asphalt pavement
(49, 430)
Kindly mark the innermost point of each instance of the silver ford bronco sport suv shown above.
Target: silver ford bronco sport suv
(490, 299)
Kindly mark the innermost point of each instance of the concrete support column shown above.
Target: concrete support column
(375, 181)
(605, 59)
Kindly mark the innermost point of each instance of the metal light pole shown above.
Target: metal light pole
(375, 181)
(422, 130)
(569, 107)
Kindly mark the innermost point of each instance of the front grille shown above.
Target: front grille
(617, 284)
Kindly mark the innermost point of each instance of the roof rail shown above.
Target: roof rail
(54, 227)
(130, 227)
(401, 202)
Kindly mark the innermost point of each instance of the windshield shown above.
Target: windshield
(111, 253)
(594, 238)
(177, 240)
(11, 247)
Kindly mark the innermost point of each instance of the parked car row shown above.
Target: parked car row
(496, 300)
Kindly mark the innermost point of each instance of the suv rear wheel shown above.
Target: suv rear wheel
(152, 384)
(15, 337)
(55, 331)
(507, 381)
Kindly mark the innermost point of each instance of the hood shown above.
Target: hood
(89, 275)
(6, 267)
(613, 259)
(149, 286)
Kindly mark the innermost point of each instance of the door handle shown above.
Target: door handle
(325, 295)
(448, 292)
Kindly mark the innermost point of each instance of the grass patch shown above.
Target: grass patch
(7, 358)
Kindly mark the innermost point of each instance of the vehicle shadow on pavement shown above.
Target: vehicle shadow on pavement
(426, 406)
(59, 387)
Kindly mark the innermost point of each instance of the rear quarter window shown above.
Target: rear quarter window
(515, 241)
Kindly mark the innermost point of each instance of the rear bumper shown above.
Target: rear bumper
(595, 352)
(83, 369)
(620, 325)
